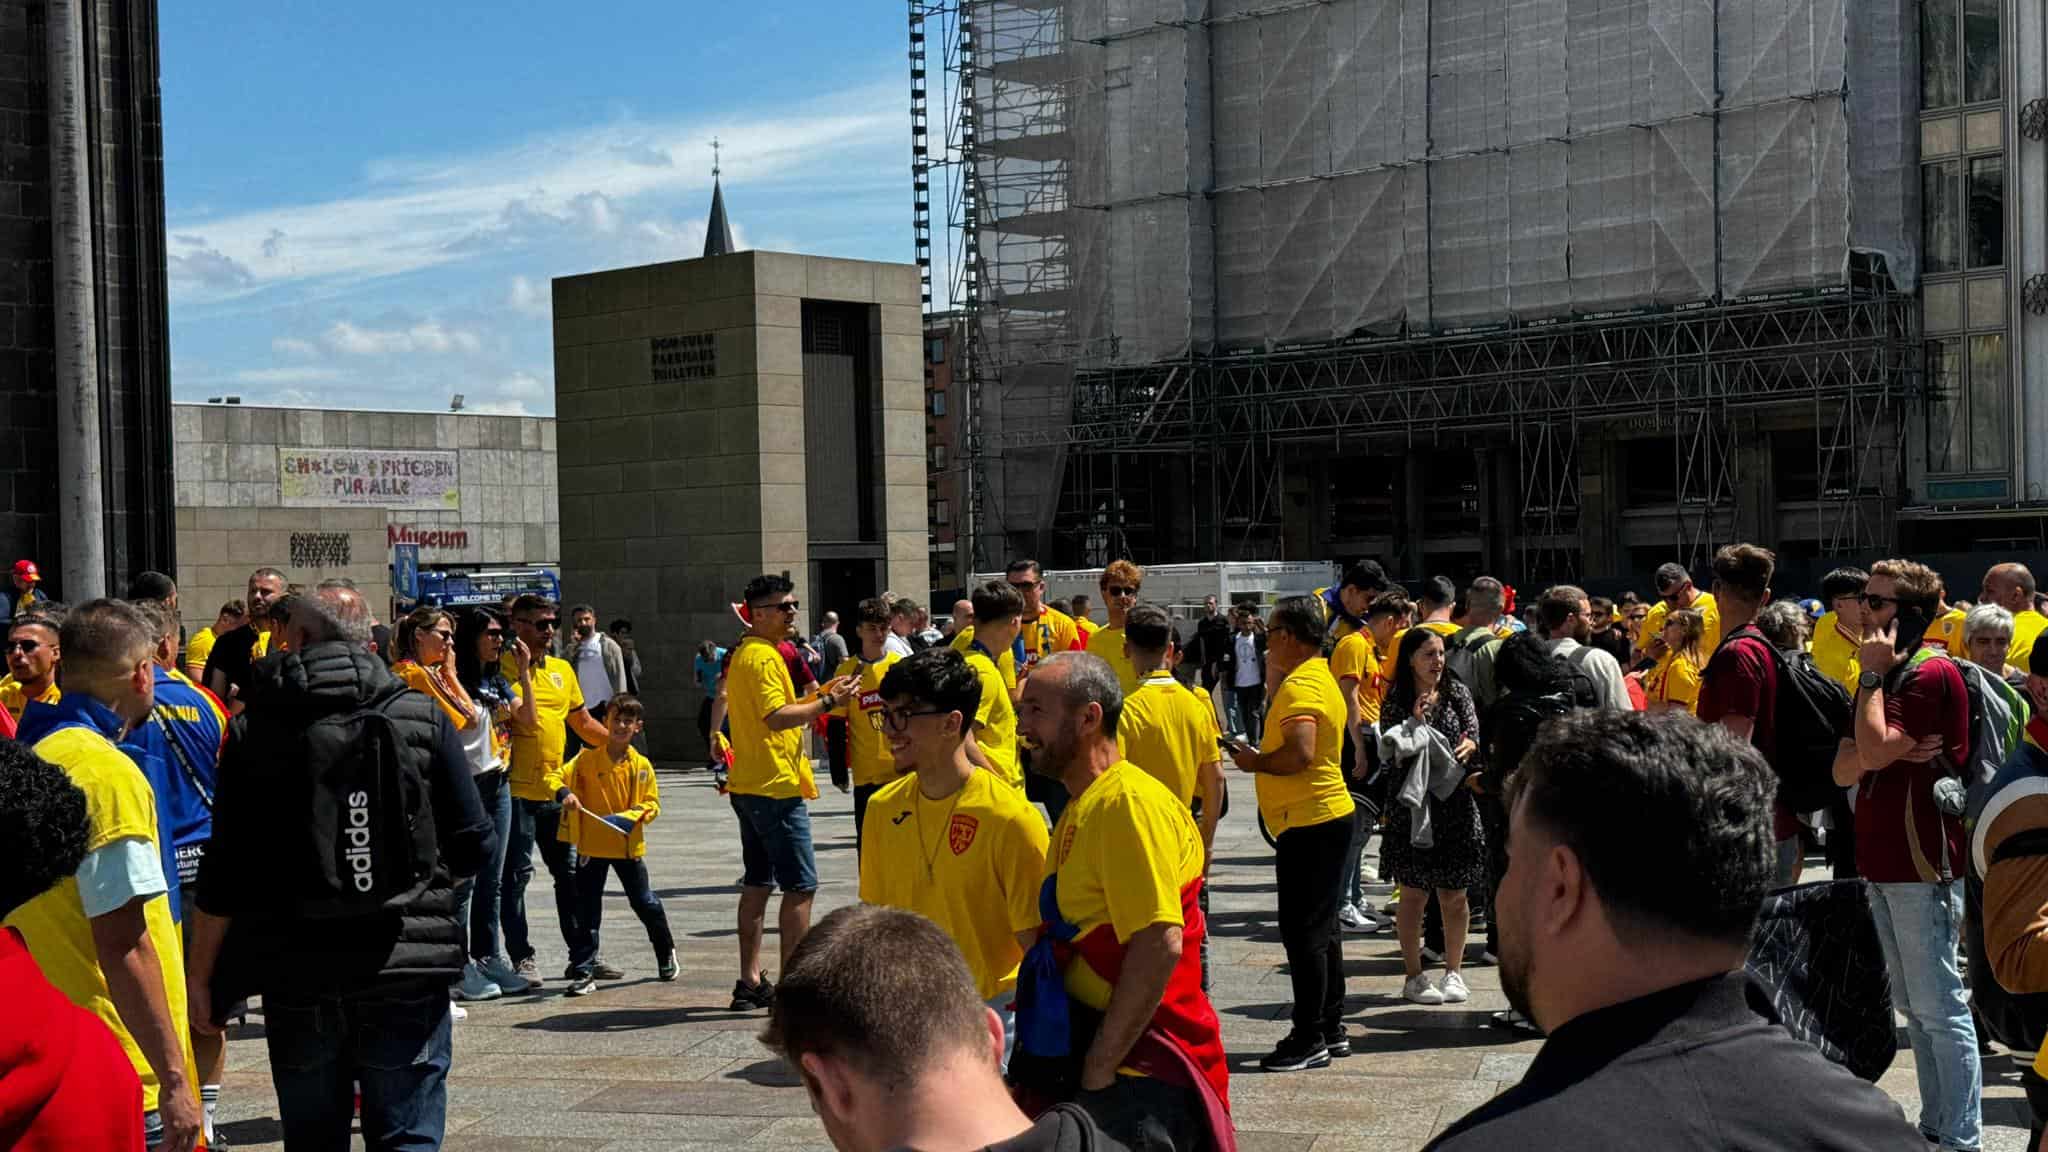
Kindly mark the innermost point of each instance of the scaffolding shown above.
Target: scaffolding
(1212, 233)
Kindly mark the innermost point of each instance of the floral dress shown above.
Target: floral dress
(1458, 858)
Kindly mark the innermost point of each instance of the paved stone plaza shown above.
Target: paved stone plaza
(642, 1066)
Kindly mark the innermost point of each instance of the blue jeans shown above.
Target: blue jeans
(480, 908)
(535, 822)
(1920, 927)
(393, 1042)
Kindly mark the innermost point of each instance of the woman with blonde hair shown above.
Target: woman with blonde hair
(1674, 684)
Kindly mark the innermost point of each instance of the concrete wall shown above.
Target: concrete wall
(126, 140)
(675, 491)
(231, 516)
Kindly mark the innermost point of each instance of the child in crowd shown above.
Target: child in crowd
(608, 796)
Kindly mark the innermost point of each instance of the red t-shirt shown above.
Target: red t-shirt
(1899, 831)
(1742, 680)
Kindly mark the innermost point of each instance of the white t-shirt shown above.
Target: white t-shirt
(1247, 662)
(590, 674)
(476, 744)
(897, 645)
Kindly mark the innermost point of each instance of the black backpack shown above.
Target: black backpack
(1810, 716)
(1461, 654)
(1585, 693)
(357, 820)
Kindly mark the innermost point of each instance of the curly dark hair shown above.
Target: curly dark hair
(1523, 664)
(939, 677)
(1670, 818)
(43, 825)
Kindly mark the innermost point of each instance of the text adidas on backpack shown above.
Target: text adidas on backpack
(358, 835)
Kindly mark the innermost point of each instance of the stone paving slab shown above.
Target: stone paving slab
(643, 1066)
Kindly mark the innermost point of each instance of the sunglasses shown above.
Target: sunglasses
(1119, 591)
(1024, 585)
(23, 646)
(443, 633)
(1876, 601)
(789, 606)
(899, 718)
(547, 625)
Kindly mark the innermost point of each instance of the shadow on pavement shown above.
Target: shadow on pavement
(625, 1019)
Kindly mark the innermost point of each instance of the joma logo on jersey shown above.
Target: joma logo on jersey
(361, 869)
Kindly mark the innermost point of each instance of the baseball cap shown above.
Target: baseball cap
(26, 569)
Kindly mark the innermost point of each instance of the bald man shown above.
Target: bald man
(2011, 587)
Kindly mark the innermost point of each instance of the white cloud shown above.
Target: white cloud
(306, 374)
(530, 297)
(425, 212)
(427, 336)
(523, 386)
(293, 346)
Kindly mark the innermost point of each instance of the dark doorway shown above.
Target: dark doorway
(839, 585)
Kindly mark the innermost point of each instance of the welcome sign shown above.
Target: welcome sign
(367, 478)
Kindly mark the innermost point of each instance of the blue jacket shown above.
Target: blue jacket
(77, 710)
(185, 731)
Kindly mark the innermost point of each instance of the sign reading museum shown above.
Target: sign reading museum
(367, 478)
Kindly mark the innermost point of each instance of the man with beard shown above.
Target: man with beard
(1639, 851)
(1110, 1008)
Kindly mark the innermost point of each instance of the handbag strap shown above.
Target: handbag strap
(184, 761)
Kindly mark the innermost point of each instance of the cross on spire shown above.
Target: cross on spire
(714, 157)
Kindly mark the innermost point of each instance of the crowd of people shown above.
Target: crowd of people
(301, 805)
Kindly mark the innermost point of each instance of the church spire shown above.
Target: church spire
(717, 233)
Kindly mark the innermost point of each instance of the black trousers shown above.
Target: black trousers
(1308, 866)
(2037, 1099)
(1147, 1115)
(1493, 818)
(862, 793)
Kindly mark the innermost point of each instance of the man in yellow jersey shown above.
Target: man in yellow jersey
(2011, 587)
(854, 737)
(1047, 630)
(1946, 633)
(1166, 728)
(1439, 598)
(770, 783)
(1308, 810)
(535, 779)
(33, 654)
(106, 937)
(1362, 679)
(992, 740)
(232, 615)
(1120, 584)
(952, 842)
(1675, 585)
(1839, 631)
(1122, 945)
(1084, 623)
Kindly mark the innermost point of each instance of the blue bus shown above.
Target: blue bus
(480, 589)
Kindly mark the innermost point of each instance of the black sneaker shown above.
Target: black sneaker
(668, 969)
(599, 969)
(1337, 1043)
(1297, 1051)
(746, 997)
(582, 985)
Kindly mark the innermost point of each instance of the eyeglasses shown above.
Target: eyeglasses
(899, 718)
(1119, 591)
(789, 606)
(23, 646)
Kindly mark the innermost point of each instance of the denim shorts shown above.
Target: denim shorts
(775, 843)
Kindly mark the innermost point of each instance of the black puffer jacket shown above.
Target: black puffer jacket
(268, 945)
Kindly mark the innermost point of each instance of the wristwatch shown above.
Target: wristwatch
(1869, 681)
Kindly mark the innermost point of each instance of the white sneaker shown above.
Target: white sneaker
(1418, 990)
(1454, 988)
(1350, 919)
(457, 1012)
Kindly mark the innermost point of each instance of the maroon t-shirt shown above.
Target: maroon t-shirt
(1899, 831)
(1742, 680)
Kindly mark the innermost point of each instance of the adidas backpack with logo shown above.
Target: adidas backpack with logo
(368, 814)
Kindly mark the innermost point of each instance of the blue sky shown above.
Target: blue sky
(366, 201)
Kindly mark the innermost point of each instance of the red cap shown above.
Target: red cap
(26, 569)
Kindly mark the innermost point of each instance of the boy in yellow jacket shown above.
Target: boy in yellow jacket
(608, 796)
